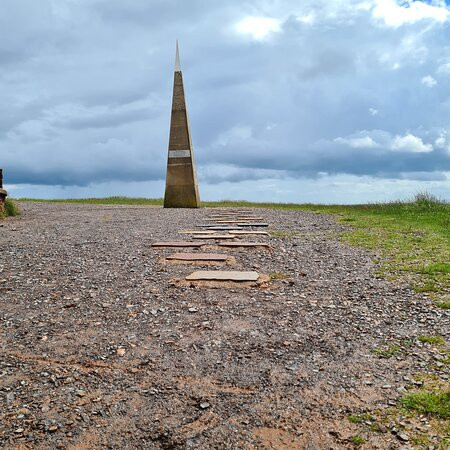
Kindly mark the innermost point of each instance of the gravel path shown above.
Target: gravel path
(100, 349)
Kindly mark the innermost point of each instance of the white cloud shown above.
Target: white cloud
(444, 68)
(395, 15)
(384, 140)
(373, 112)
(307, 19)
(410, 143)
(428, 81)
(259, 28)
(440, 142)
(358, 142)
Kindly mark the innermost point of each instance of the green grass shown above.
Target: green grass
(101, 201)
(360, 418)
(436, 268)
(387, 352)
(431, 400)
(357, 440)
(445, 304)
(278, 276)
(412, 238)
(434, 404)
(431, 339)
(11, 209)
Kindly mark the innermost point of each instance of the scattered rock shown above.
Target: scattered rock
(403, 437)
(265, 357)
(10, 397)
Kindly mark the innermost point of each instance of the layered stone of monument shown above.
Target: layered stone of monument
(3, 193)
(181, 179)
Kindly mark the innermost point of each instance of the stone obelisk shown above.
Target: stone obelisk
(181, 178)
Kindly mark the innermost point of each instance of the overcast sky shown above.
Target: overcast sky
(318, 101)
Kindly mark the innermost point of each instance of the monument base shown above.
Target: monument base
(181, 197)
(3, 195)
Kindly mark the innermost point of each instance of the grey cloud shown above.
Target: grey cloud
(104, 119)
(85, 90)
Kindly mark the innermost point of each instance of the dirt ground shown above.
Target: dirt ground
(101, 347)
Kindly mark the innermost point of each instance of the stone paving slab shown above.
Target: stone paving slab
(229, 221)
(214, 218)
(230, 213)
(221, 228)
(223, 275)
(253, 224)
(247, 232)
(196, 232)
(178, 244)
(198, 257)
(230, 229)
(214, 236)
(247, 218)
(235, 219)
(243, 244)
(210, 225)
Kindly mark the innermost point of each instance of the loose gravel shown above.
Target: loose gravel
(99, 348)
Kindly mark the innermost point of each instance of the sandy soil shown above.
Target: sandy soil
(101, 348)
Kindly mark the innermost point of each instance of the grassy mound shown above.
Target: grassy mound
(429, 403)
(11, 209)
(101, 201)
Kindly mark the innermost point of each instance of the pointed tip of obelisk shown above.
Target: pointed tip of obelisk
(177, 60)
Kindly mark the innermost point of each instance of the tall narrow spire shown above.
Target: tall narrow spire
(177, 60)
(181, 178)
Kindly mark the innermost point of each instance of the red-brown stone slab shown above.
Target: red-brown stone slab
(214, 236)
(196, 232)
(198, 257)
(178, 244)
(243, 244)
(232, 216)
